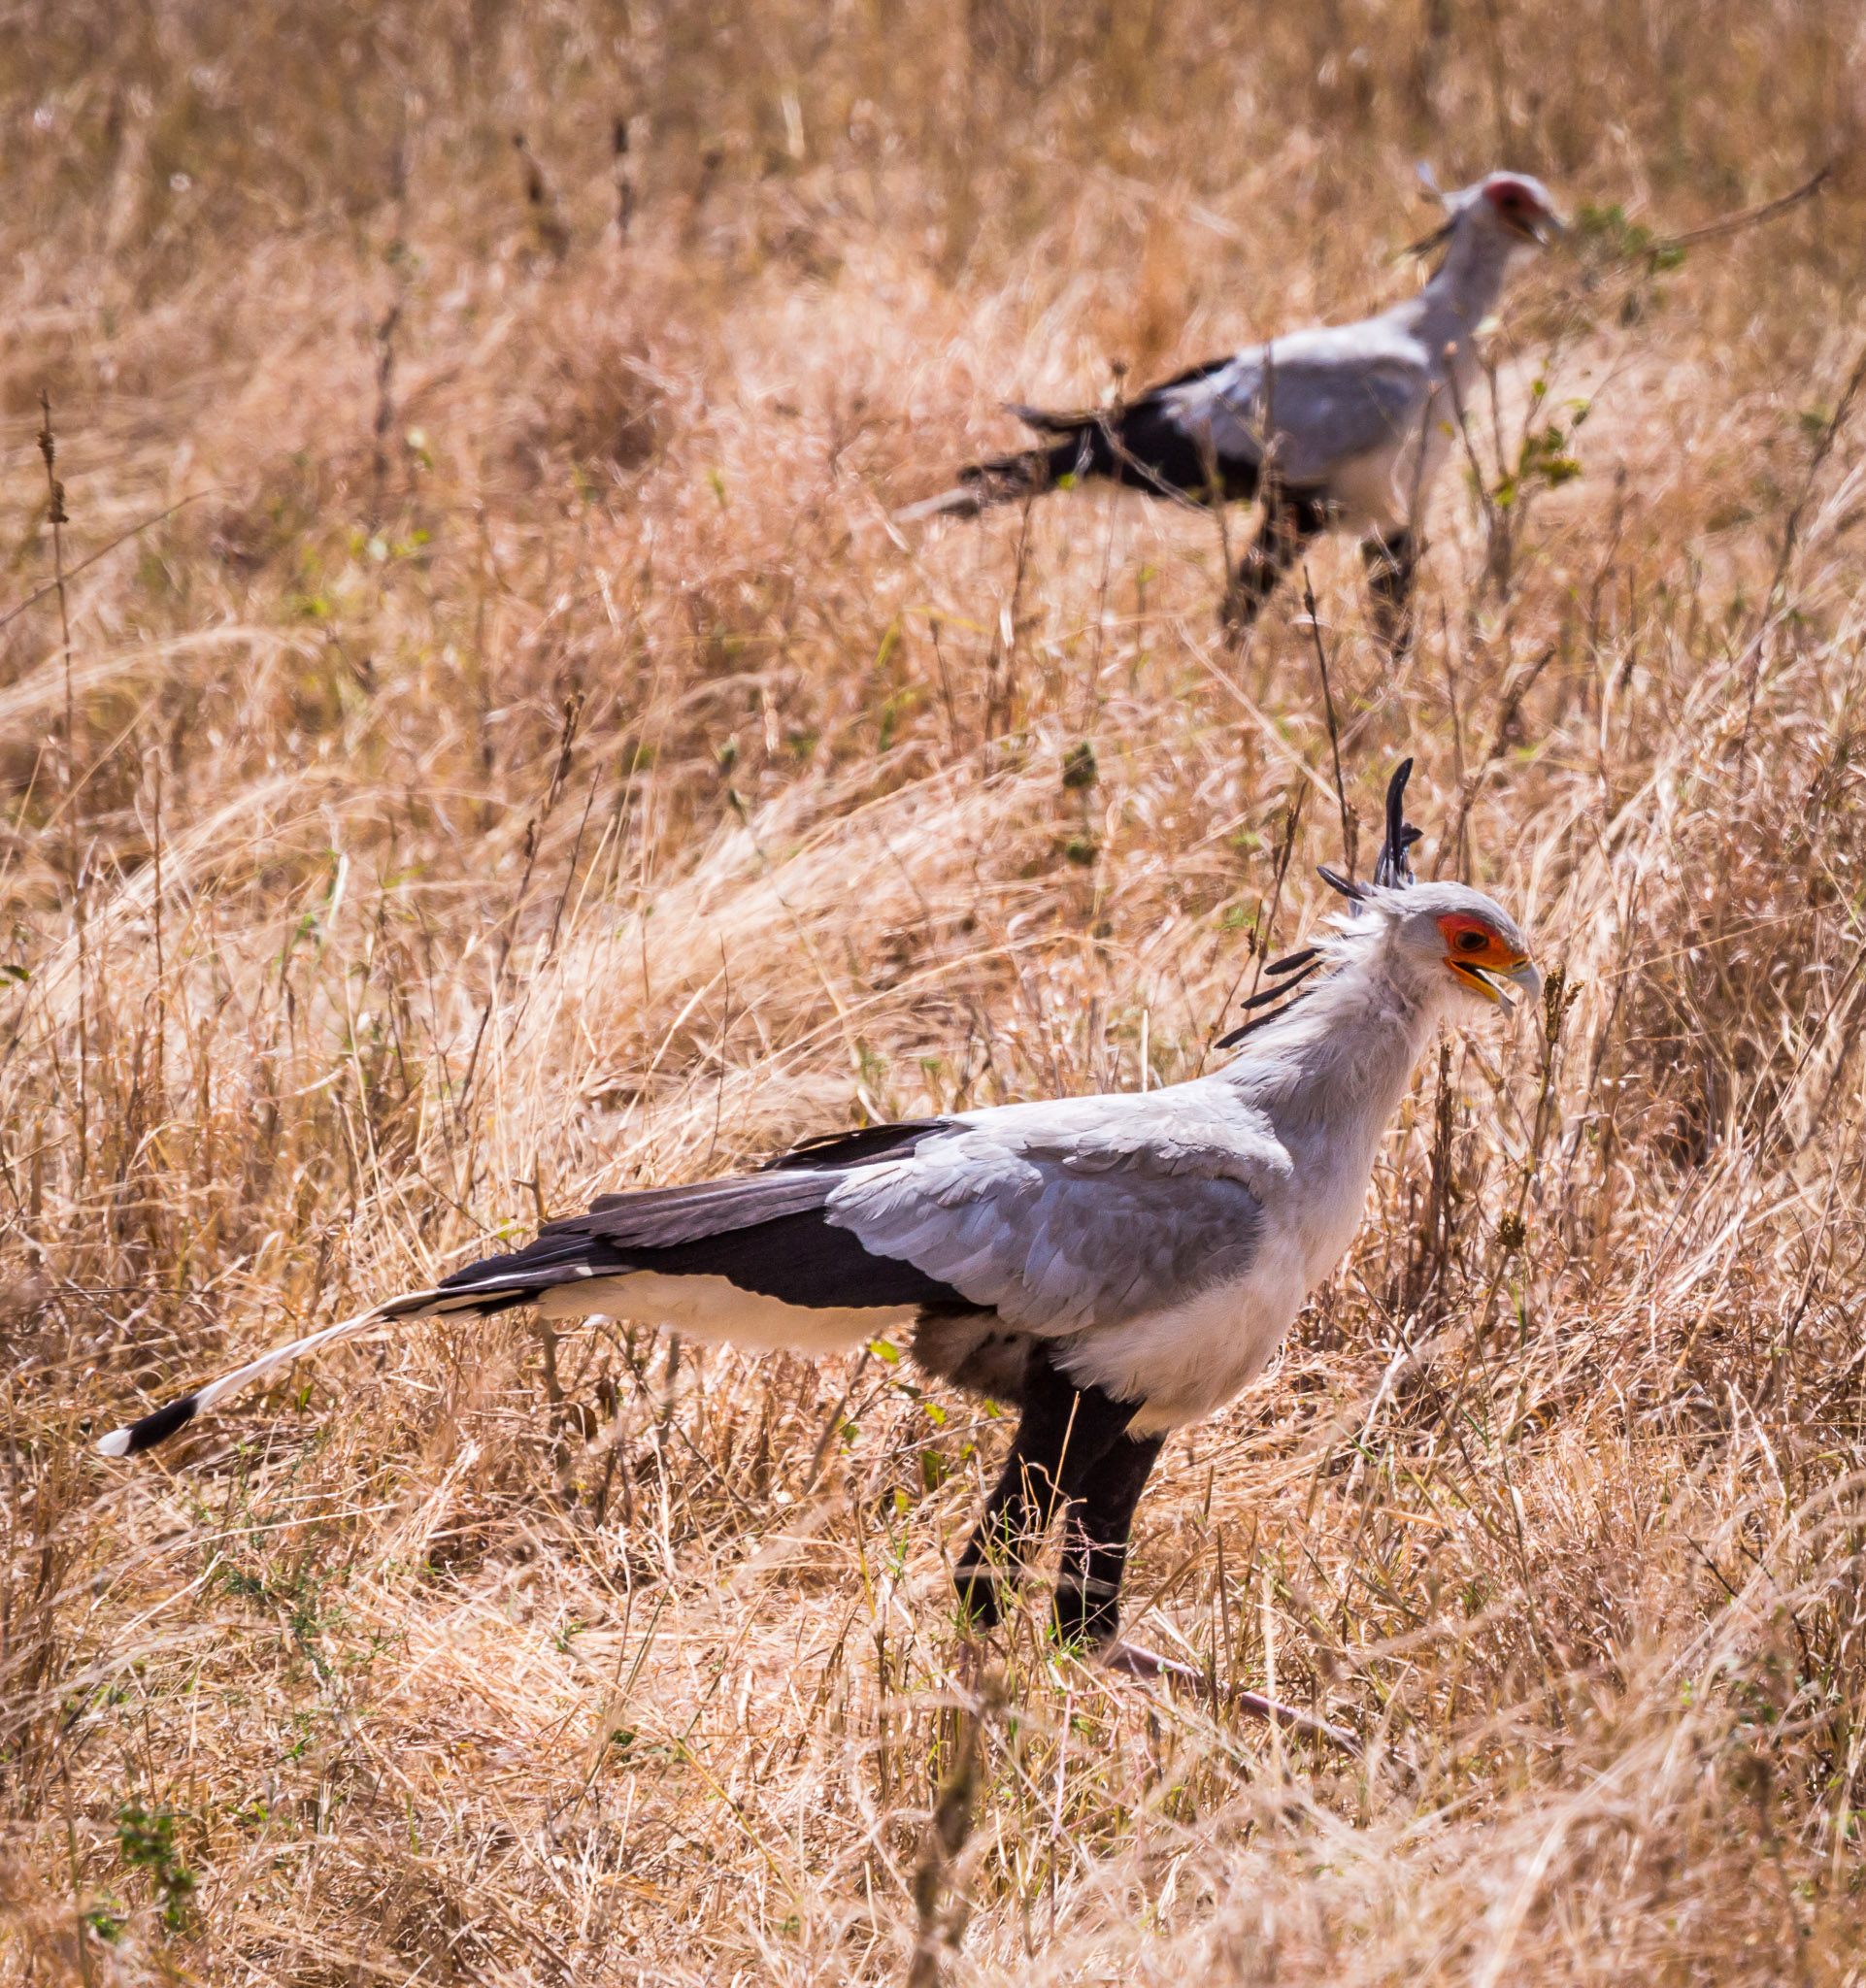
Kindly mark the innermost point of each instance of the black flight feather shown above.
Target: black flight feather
(799, 1257)
(859, 1148)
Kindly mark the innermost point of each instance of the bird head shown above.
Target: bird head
(1444, 942)
(1518, 207)
(1522, 206)
(1455, 942)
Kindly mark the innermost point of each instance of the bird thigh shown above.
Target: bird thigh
(1064, 1432)
(1392, 561)
(1094, 1554)
(975, 1350)
(1290, 522)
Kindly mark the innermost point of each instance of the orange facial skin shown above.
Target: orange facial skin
(1470, 945)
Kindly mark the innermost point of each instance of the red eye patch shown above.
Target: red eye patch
(1468, 938)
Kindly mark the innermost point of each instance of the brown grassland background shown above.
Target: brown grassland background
(493, 746)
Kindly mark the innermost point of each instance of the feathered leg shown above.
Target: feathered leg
(1289, 524)
(1391, 564)
(1065, 1433)
(1094, 1554)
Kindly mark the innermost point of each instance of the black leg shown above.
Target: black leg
(1391, 563)
(1094, 1554)
(1066, 1431)
(1289, 524)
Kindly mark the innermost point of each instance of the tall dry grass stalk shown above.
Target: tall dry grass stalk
(529, 762)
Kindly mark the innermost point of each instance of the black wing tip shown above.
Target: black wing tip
(157, 1427)
(863, 1147)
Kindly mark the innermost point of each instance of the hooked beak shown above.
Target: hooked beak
(1489, 980)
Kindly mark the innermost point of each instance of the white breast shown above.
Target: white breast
(1386, 490)
(1189, 1359)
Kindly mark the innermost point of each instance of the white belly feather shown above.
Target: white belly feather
(1187, 1360)
(710, 1308)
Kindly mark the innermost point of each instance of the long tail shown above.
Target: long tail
(1149, 445)
(765, 1235)
(1010, 479)
(162, 1423)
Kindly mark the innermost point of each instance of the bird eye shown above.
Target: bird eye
(1472, 942)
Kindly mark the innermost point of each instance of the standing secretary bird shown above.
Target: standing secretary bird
(1342, 427)
(1117, 1266)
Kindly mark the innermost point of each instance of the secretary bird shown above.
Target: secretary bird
(1340, 427)
(1117, 1266)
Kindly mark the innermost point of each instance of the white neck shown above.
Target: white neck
(1330, 1073)
(1464, 288)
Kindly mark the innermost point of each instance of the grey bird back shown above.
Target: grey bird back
(1077, 1213)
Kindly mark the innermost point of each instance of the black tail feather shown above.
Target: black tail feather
(1146, 445)
(158, 1426)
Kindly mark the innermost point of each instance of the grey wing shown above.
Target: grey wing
(1326, 399)
(1067, 1226)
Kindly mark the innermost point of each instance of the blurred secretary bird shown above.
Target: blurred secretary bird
(1342, 427)
(1117, 1266)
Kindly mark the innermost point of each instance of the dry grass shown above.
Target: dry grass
(528, 762)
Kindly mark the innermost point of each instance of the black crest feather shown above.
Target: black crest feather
(1392, 870)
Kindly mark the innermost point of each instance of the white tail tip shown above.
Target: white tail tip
(115, 1443)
